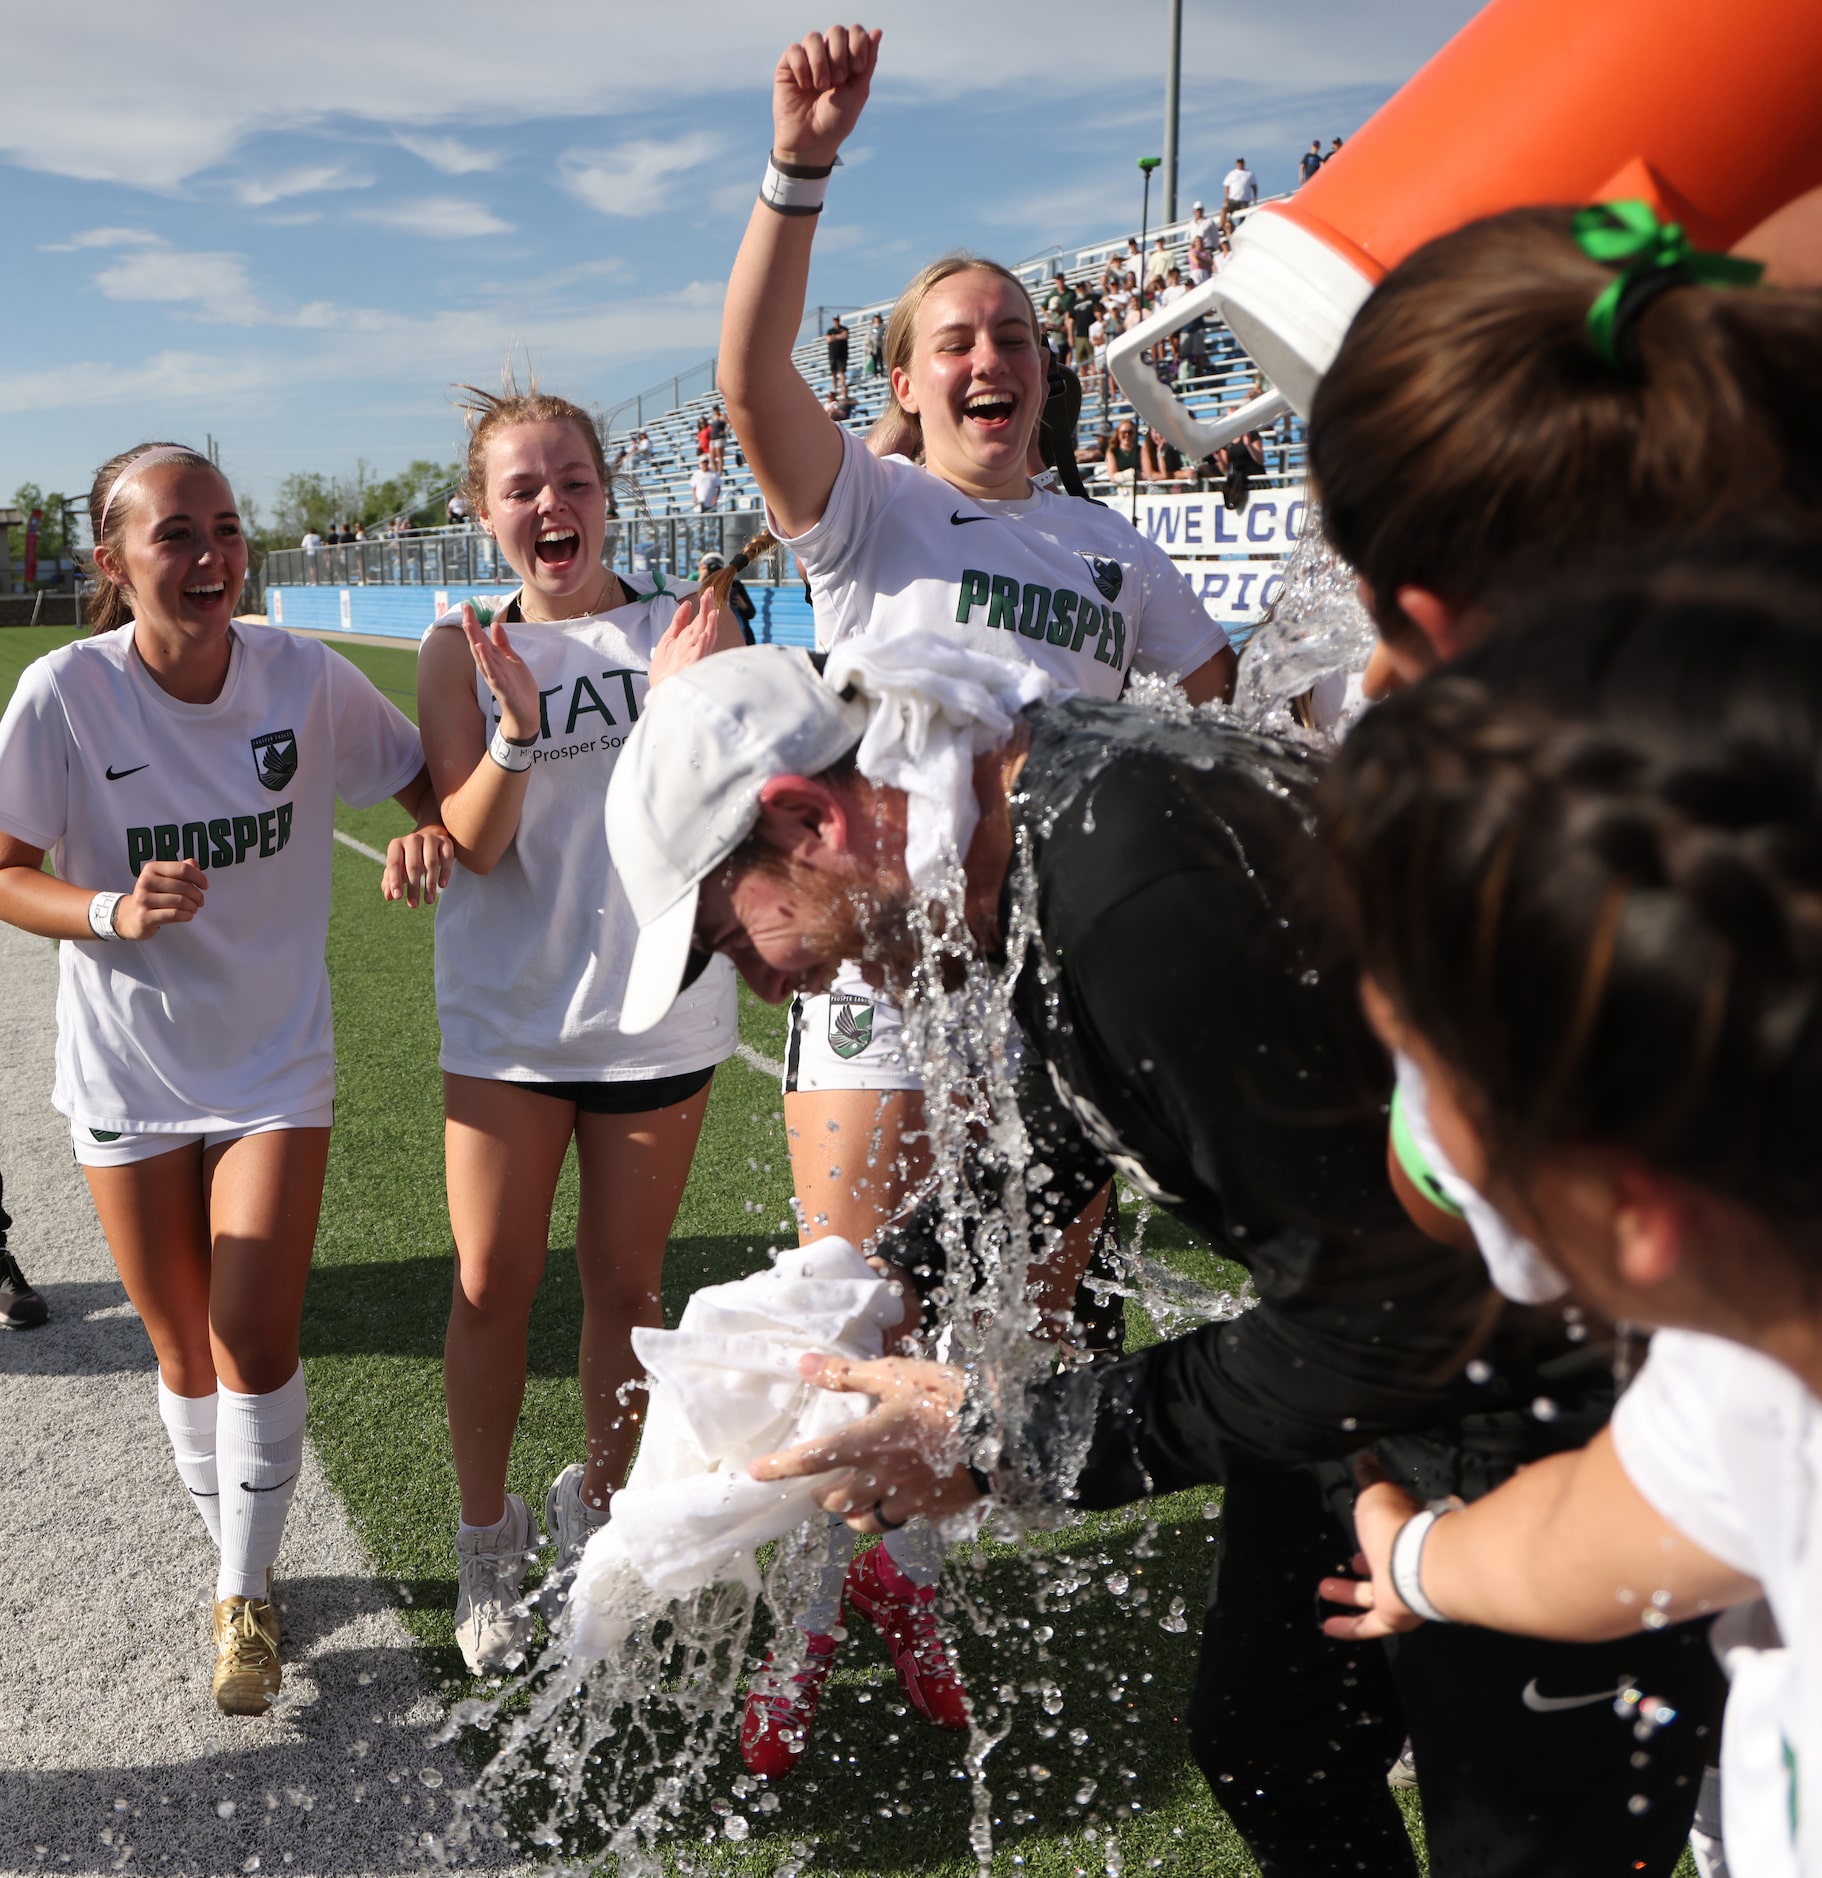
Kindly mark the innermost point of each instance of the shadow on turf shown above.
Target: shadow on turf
(93, 1331)
(400, 1307)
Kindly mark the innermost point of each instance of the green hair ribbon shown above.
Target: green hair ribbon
(1653, 256)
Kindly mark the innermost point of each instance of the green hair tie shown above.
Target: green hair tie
(1652, 256)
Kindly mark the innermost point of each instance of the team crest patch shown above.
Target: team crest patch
(1108, 575)
(275, 757)
(850, 1023)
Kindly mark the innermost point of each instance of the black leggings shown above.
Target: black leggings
(1295, 1732)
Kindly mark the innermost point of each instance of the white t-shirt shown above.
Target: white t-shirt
(532, 958)
(705, 488)
(1201, 226)
(1727, 1446)
(1069, 585)
(223, 1022)
(1240, 185)
(1172, 294)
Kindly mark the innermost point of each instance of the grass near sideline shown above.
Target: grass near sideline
(882, 1794)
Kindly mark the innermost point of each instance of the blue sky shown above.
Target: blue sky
(294, 229)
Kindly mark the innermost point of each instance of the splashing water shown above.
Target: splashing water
(1316, 628)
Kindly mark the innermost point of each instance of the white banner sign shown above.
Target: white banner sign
(1234, 590)
(1198, 526)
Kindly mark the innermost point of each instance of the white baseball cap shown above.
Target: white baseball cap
(685, 792)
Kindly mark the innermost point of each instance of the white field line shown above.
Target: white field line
(753, 1059)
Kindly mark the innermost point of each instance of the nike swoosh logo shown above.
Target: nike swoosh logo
(959, 520)
(117, 775)
(246, 1486)
(1548, 1704)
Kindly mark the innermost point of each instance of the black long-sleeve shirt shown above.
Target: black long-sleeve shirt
(1187, 1025)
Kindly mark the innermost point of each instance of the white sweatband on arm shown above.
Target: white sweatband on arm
(101, 915)
(1407, 1564)
(509, 754)
(795, 188)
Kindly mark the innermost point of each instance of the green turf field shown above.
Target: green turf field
(881, 1792)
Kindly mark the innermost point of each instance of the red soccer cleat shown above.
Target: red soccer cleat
(781, 1707)
(906, 1617)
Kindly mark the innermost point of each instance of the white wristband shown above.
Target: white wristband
(509, 755)
(792, 193)
(1407, 1564)
(101, 915)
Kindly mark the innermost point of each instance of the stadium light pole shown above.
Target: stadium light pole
(1173, 78)
(1147, 165)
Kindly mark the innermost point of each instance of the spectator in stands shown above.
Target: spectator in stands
(1334, 150)
(705, 488)
(1173, 291)
(311, 541)
(1059, 303)
(876, 346)
(1081, 348)
(360, 531)
(1093, 456)
(1201, 225)
(1097, 340)
(1157, 263)
(1312, 161)
(1224, 252)
(640, 449)
(837, 337)
(456, 510)
(1201, 262)
(739, 601)
(1239, 190)
(841, 409)
(1113, 275)
(1122, 460)
(1162, 462)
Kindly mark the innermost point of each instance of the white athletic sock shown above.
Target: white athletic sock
(259, 1451)
(190, 1422)
(822, 1612)
(916, 1550)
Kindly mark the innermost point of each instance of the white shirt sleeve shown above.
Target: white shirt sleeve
(1176, 632)
(863, 486)
(1668, 1430)
(377, 751)
(35, 761)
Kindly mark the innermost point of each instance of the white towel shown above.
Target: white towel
(725, 1390)
(937, 704)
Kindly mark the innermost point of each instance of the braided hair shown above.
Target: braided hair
(1585, 864)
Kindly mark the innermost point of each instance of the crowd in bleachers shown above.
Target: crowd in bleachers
(686, 461)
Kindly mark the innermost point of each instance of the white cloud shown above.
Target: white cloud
(106, 238)
(450, 154)
(154, 110)
(259, 192)
(439, 218)
(635, 178)
(215, 284)
(166, 378)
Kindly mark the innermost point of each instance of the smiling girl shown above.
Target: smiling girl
(194, 1051)
(522, 724)
(953, 538)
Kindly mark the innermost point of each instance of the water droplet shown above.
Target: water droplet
(1639, 1803)
(430, 1776)
(1544, 1409)
(224, 1809)
(1480, 1370)
(735, 1826)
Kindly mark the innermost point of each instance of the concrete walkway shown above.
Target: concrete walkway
(113, 1757)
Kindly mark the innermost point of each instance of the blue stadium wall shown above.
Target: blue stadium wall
(403, 612)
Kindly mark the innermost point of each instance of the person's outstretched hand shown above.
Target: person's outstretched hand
(690, 636)
(505, 674)
(819, 91)
(900, 1459)
(1379, 1512)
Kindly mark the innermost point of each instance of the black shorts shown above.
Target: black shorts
(838, 357)
(624, 1098)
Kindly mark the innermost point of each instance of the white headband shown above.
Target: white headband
(157, 454)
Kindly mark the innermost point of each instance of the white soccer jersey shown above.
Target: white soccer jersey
(532, 958)
(224, 1022)
(1727, 1446)
(1069, 585)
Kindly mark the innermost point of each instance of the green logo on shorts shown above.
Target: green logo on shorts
(850, 1023)
(105, 1134)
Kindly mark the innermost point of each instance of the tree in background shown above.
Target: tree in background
(307, 500)
(29, 496)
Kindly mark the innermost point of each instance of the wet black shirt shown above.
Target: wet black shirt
(1187, 1027)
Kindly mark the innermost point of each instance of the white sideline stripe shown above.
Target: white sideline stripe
(360, 847)
(753, 1059)
(757, 1059)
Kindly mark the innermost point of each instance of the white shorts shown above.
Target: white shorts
(849, 1037)
(103, 1148)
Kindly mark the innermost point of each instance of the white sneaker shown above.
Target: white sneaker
(491, 1627)
(568, 1518)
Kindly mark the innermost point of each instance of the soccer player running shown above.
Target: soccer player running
(523, 721)
(181, 771)
(963, 545)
